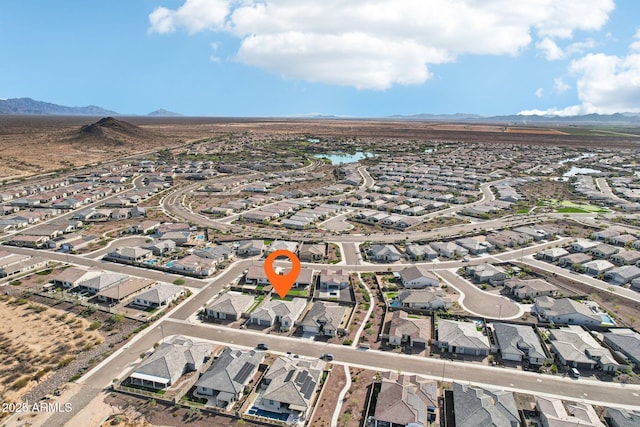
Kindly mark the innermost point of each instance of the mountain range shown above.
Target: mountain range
(28, 106)
(31, 107)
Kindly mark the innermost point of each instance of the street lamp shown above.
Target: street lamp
(162, 331)
(499, 307)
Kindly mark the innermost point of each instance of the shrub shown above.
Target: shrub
(22, 382)
(95, 325)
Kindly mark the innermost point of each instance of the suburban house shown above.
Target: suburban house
(408, 330)
(310, 252)
(421, 252)
(554, 413)
(475, 245)
(519, 343)
(625, 257)
(130, 254)
(604, 251)
(162, 247)
(122, 290)
(597, 266)
(578, 258)
(256, 275)
(305, 278)
(277, 245)
(475, 406)
(71, 277)
(325, 318)
(622, 275)
(227, 377)
(13, 264)
(565, 311)
(405, 400)
(625, 341)
(384, 253)
(418, 276)
(170, 361)
(617, 417)
(98, 283)
(584, 245)
(461, 338)
(288, 387)
(250, 248)
(531, 288)
(160, 295)
(333, 280)
(604, 235)
(449, 249)
(195, 265)
(217, 253)
(279, 312)
(576, 348)
(623, 240)
(230, 306)
(423, 300)
(552, 254)
(487, 273)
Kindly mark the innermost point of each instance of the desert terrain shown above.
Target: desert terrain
(28, 142)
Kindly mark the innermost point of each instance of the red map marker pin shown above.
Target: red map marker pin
(282, 284)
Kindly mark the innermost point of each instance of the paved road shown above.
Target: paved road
(597, 392)
(480, 302)
(583, 278)
(107, 266)
(603, 185)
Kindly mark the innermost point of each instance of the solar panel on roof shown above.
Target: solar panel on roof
(308, 387)
(289, 375)
(300, 378)
(243, 373)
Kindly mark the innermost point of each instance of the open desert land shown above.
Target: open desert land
(28, 141)
(36, 341)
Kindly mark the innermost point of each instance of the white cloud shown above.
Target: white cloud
(374, 44)
(550, 49)
(194, 15)
(539, 92)
(635, 45)
(559, 86)
(606, 84)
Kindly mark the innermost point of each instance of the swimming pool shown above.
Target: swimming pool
(152, 261)
(169, 264)
(267, 414)
(606, 319)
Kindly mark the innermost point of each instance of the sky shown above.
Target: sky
(354, 58)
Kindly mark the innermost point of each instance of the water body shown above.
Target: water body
(575, 159)
(579, 171)
(341, 158)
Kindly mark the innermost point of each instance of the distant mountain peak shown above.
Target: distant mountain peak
(164, 113)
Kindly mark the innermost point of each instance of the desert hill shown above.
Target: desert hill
(110, 131)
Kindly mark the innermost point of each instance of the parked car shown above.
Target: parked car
(327, 356)
(575, 373)
(262, 346)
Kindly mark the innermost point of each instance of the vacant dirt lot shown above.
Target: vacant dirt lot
(36, 341)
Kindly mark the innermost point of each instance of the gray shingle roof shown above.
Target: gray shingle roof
(476, 407)
(230, 372)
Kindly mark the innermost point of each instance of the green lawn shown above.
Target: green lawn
(570, 210)
(522, 211)
(391, 295)
(584, 207)
(298, 293)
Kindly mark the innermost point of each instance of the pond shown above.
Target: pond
(580, 171)
(575, 159)
(342, 158)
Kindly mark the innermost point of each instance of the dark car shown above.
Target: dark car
(262, 346)
(327, 356)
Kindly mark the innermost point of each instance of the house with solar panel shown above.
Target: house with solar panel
(170, 361)
(224, 382)
(287, 390)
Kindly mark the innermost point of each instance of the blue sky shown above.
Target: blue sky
(361, 58)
